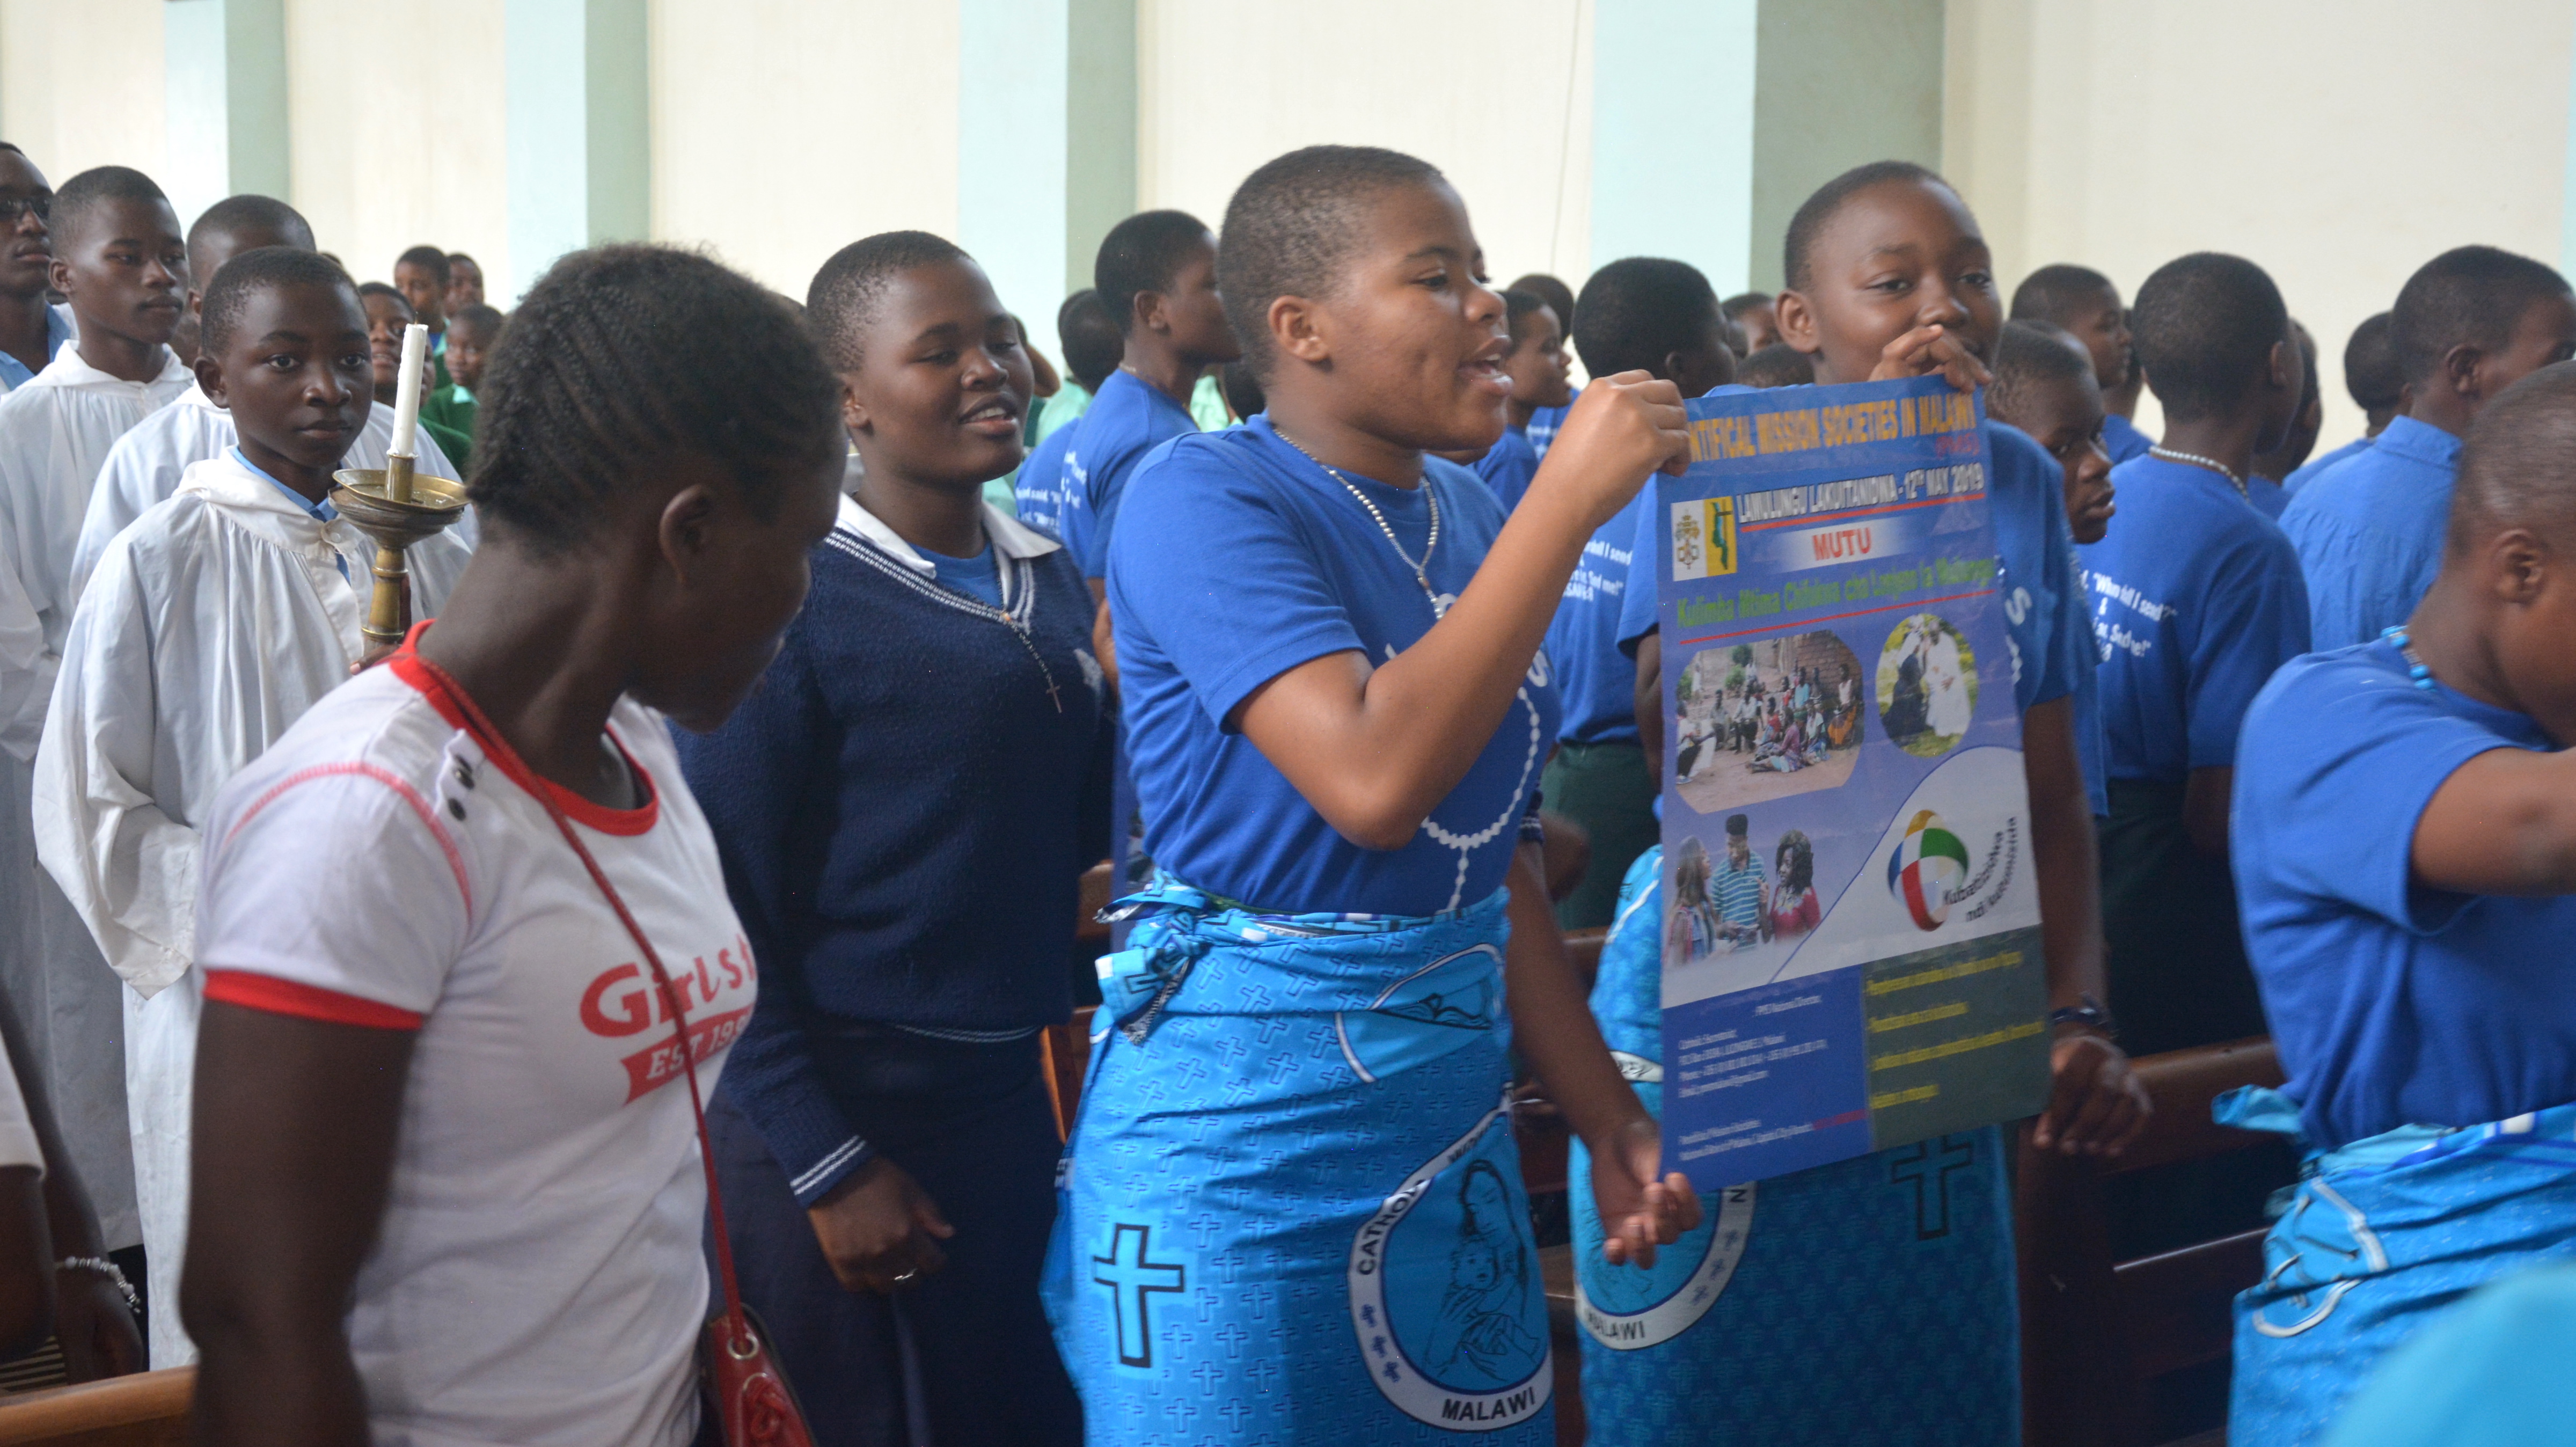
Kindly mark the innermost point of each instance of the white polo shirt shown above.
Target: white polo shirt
(538, 1276)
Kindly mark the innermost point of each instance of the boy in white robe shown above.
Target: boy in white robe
(117, 253)
(211, 625)
(144, 465)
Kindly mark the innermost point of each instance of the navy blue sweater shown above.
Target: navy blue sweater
(904, 810)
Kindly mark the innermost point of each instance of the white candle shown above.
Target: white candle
(407, 390)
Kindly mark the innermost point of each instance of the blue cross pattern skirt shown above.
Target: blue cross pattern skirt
(1291, 1211)
(2381, 1236)
(1870, 1300)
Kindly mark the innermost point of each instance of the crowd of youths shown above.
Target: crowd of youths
(797, 658)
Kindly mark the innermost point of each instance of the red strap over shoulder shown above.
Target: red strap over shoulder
(490, 738)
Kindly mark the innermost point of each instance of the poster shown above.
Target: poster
(1851, 944)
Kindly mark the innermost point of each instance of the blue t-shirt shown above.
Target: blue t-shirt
(2122, 439)
(976, 577)
(1041, 486)
(2044, 611)
(2196, 601)
(1508, 466)
(2314, 468)
(1128, 419)
(1595, 675)
(2267, 497)
(1543, 425)
(2392, 1003)
(58, 330)
(2370, 535)
(1237, 560)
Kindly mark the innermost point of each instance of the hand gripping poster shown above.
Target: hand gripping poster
(1851, 945)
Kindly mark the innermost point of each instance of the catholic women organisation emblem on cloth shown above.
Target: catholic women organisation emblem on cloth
(1445, 1290)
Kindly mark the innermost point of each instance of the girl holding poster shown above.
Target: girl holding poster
(1724, 1339)
(1296, 1132)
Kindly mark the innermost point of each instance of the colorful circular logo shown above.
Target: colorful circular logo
(1926, 868)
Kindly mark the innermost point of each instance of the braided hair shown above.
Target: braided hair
(621, 357)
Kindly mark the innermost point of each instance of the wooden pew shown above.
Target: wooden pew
(149, 1409)
(2096, 1332)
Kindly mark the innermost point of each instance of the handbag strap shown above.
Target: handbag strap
(737, 1327)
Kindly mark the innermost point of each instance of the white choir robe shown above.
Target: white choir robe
(55, 431)
(144, 466)
(211, 625)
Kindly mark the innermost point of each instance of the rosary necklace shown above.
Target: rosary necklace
(2194, 459)
(2415, 666)
(1429, 495)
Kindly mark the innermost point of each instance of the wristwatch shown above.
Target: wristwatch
(2090, 1015)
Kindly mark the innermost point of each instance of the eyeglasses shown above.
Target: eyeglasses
(13, 207)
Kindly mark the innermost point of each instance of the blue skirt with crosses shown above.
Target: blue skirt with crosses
(1870, 1300)
(1291, 1211)
(2381, 1237)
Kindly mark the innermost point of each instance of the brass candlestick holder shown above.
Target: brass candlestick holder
(397, 508)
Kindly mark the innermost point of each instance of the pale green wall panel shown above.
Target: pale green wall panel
(579, 144)
(224, 81)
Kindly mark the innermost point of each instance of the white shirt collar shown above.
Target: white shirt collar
(1011, 538)
(71, 369)
(223, 479)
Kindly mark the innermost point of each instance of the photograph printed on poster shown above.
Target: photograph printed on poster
(1927, 685)
(1767, 719)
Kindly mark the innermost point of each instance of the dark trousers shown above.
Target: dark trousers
(2178, 978)
(1607, 789)
(967, 1352)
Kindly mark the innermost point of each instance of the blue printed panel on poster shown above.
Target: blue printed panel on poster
(1851, 932)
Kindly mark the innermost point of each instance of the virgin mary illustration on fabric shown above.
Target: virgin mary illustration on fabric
(1478, 1342)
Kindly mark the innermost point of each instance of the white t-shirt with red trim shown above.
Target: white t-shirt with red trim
(537, 1278)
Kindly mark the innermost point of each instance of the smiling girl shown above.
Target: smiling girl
(904, 807)
(1336, 711)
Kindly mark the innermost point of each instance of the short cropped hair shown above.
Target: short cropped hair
(1639, 310)
(486, 321)
(83, 195)
(1140, 254)
(254, 213)
(2514, 468)
(1090, 338)
(1820, 208)
(1520, 306)
(2370, 370)
(375, 288)
(427, 258)
(2052, 293)
(2467, 296)
(1558, 296)
(622, 357)
(1294, 223)
(1777, 365)
(2033, 354)
(851, 286)
(454, 257)
(265, 268)
(2205, 326)
(1734, 307)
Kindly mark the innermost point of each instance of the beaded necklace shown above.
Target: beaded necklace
(1429, 494)
(2194, 459)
